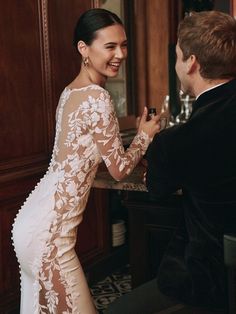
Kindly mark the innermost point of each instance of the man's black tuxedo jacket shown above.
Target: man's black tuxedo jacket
(198, 157)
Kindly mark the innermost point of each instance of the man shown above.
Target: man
(198, 157)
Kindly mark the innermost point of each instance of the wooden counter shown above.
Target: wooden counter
(150, 223)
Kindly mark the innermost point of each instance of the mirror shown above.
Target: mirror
(117, 86)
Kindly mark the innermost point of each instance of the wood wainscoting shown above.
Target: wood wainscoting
(37, 61)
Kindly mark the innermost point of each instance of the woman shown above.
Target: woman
(87, 132)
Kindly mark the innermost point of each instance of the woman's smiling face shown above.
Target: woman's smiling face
(107, 50)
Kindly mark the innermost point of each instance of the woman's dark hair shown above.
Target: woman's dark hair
(90, 22)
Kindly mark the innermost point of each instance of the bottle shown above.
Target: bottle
(165, 113)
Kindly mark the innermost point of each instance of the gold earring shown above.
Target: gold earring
(85, 61)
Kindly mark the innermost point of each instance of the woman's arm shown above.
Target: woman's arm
(102, 121)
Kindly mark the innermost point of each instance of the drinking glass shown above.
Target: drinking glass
(186, 108)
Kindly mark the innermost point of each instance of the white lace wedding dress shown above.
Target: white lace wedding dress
(44, 231)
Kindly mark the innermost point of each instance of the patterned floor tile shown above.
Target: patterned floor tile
(112, 287)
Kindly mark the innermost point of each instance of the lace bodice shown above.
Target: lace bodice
(87, 131)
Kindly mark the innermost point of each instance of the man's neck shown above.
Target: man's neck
(208, 85)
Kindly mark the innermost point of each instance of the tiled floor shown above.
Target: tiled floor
(111, 288)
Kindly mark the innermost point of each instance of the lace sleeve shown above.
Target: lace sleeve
(103, 125)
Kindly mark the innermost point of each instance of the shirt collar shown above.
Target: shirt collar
(206, 90)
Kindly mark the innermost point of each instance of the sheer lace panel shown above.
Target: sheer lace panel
(87, 131)
(55, 296)
(99, 115)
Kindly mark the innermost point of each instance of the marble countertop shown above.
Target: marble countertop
(133, 182)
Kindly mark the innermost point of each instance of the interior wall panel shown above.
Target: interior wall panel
(35, 65)
(26, 123)
(23, 128)
(65, 61)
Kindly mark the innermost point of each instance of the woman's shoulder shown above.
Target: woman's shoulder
(85, 96)
(92, 90)
(84, 89)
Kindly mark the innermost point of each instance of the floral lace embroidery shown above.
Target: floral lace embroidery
(87, 131)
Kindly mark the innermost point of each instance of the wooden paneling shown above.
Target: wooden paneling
(25, 136)
(9, 276)
(157, 52)
(65, 61)
(37, 61)
(141, 43)
(151, 226)
(233, 8)
(152, 38)
(22, 105)
(94, 231)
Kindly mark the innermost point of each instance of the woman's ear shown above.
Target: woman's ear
(82, 48)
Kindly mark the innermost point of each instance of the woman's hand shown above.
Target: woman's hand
(150, 127)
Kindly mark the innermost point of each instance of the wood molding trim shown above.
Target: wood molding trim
(24, 161)
(46, 69)
(34, 167)
(140, 20)
(233, 8)
(151, 52)
(157, 52)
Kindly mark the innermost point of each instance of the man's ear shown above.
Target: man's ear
(191, 64)
(82, 48)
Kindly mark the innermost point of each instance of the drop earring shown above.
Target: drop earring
(85, 61)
